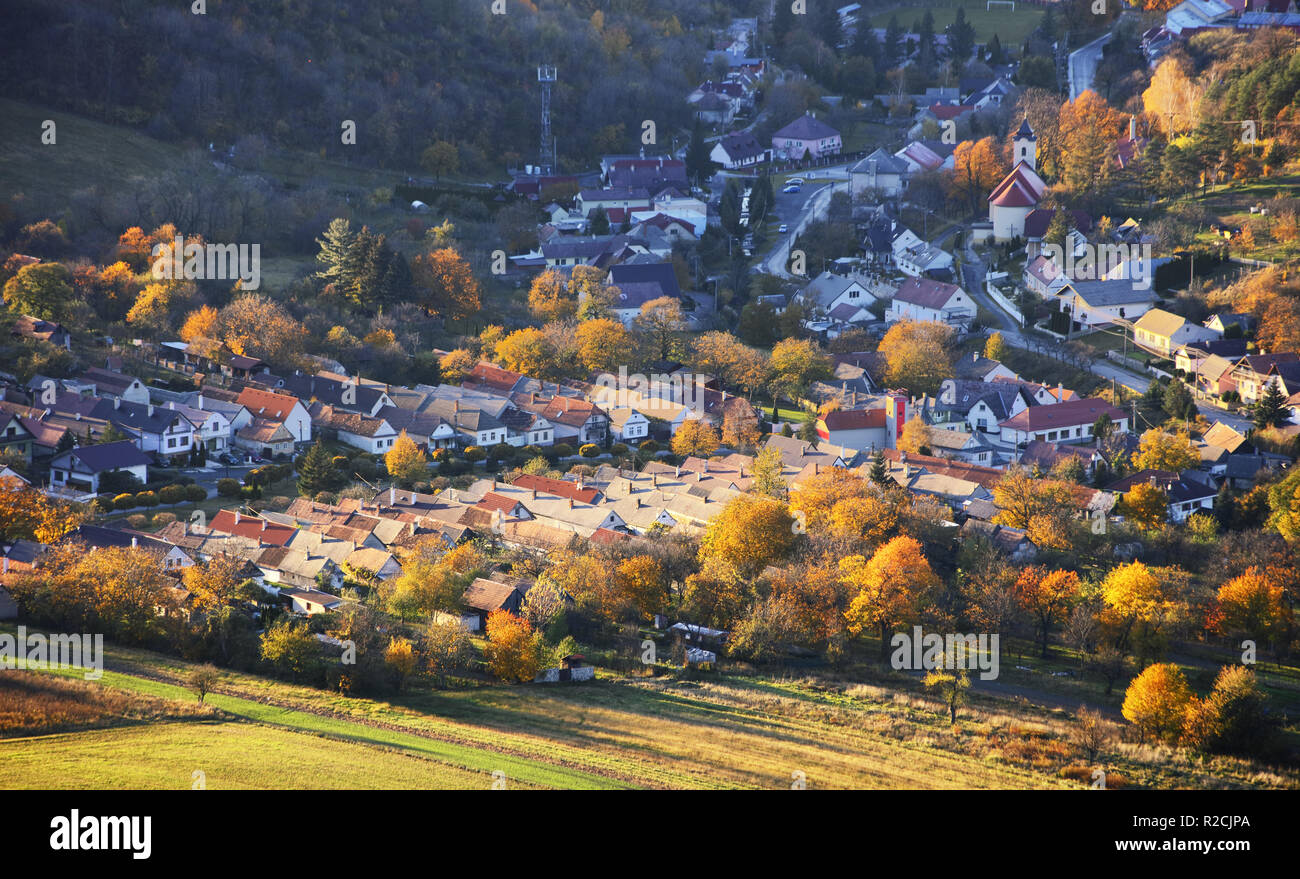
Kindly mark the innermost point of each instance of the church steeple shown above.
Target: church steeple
(1025, 145)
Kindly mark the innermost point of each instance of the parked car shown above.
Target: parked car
(792, 187)
(784, 227)
(229, 459)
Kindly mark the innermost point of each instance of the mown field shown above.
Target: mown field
(734, 731)
(1011, 26)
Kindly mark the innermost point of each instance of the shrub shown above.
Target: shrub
(164, 518)
(104, 504)
(124, 501)
(473, 454)
(561, 450)
(196, 493)
(364, 467)
(172, 494)
(228, 487)
(618, 449)
(589, 450)
(649, 446)
(137, 520)
(147, 499)
(340, 462)
(325, 497)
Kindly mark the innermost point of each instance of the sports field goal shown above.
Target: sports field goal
(988, 6)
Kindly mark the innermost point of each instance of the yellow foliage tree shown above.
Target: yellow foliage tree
(888, 587)
(513, 649)
(695, 437)
(1157, 701)
(406, 461)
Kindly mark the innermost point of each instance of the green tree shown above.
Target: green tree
(316, 471)
(291, 648)
(1270, 408)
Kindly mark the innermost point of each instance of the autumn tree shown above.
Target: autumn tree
(456, 364)
(749, 534)
(1157, 701)
(406, 462)
(1252, 605)
(1146, 505)
(1133, 594)
(215, 583)
(695, 437)
(731, 360)
(1046, 595)
(1042, 507)
(528, 351)
(445, 283)
(977, 168)
(440, 158)
(1090, 127)
(917, 355)
(258, 326)
(550, 298)
(661, 324)
(768, 470)
(1161, 450)
(887, 588)
(995, 347)
(514, 650)
(916, 436)
(642, 585)
(29, 514)
(1234, 718)
(950, 681)
(716, 594)
(604, 345)
(42, 290)
(795, 364)
(401, 660)
(290, 648)
(1173, 98)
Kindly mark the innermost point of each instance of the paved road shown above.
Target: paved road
(1082, 63)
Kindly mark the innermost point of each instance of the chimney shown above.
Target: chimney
(236, 517)
(534, 494)
(172, 405)
(816, 468)
(200, 406)
(263, 524)
(151, 410)
(699, 477)
(392, 496)
(6, 564)
(1132, 127)
(638, 506)
(117, 402)
(135, 542)
(77, 416)
(677, 473)
(570, 503)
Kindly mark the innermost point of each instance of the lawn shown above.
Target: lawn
(166, 756)
(1011, 26)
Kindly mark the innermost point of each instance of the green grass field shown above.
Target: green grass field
(1011, 26)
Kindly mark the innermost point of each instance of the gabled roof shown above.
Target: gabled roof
(1159, 322)
(559, 487)
(272, 406)
(880, 162)
(926, 292)
(108, 456)
(1022, 187)
(1059, 415)
(806, 127)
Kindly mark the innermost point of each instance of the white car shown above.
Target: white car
(783, 228)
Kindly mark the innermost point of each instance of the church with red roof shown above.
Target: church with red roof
(1019, 193)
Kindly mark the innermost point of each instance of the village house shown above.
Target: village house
(82, 468)
(1163, 332)
(284, 409)
(807, 137)
(924, 299)
(1070, 422)
(739, 150)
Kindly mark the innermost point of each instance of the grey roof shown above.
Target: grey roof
(1116, 292)
(881, 162)
(108, 456)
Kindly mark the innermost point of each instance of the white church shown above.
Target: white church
(1020, 191)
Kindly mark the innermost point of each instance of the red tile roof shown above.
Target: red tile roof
(558, 487)
(251, 527)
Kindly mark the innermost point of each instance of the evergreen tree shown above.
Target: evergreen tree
(1178, 401)
(893, 48)
(599, 222)
(994, 47)
(316, 471)
(865, 44)
(1270, 407)
(828, 24)
(961, 37)
(336, 252)
(879, 470)
(697, 154)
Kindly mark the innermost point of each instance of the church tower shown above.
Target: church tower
(1025, 145)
